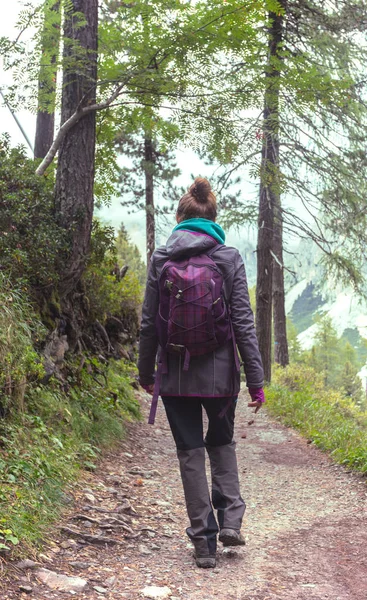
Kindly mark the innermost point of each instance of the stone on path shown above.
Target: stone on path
(156, 592)
(144, 550)
(26, 564)
(62, 583)
(27, 589)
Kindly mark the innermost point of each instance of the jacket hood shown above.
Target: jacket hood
(183, 244)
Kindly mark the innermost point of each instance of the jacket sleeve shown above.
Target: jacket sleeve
(244, 328)
(148, 342)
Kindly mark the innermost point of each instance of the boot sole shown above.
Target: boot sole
(205, 563)
(231, 540)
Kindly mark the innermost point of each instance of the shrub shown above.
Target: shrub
(19, 328)
(30, 240)
(106, 293)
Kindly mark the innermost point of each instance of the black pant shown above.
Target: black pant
(185, 417)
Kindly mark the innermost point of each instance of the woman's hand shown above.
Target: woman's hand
(257, 398)
(148, 388)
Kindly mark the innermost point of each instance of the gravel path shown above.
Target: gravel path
(305, 525)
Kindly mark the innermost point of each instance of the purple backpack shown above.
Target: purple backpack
(193, 318)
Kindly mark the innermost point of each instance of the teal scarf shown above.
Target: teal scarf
(203, 226)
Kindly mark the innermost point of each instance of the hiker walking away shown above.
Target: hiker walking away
(197, 313)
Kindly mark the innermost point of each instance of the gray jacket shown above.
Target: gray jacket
(213, 374)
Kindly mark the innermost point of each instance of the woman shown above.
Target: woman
(206, 379)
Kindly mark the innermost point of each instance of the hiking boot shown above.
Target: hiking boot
(205, 562)
(231, 537)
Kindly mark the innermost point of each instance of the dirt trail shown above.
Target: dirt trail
(306, 525)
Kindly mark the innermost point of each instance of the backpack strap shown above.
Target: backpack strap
(235, 351)
(161, 369)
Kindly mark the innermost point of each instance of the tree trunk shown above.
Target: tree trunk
(269, 196)
(281, 355)
(45, 123)
(75, 169)
(149, 197)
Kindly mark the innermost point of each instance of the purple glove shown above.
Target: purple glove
(257, 394)
(148, 388)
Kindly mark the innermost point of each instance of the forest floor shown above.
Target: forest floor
(305, 526)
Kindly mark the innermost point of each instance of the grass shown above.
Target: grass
(334, 423)
(44, 449)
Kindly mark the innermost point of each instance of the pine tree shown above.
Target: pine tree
(50, 45)
(150, 170)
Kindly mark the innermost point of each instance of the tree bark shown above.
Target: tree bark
(45, 123)
(149, 197)
(269, 195)
(75, 169)
(281, 355)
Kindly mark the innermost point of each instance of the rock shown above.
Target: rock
(27, 589)
(68, 544)
(62, 583)
(45, 557)
(90, 498)
(99, 589)
(79, 564)
(66, 498)
(136, 471)
(26, 564)
(155, 547)
(144, 550)
(87, 525)
(110, 581)
(156, 592)
(128, 454)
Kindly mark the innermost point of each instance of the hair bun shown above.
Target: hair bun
(200, 189)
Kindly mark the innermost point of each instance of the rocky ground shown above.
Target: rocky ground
(123, 535)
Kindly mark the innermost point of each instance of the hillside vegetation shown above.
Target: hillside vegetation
(57, 408)
(328, 418)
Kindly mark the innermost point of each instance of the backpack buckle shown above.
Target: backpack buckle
(177, 347)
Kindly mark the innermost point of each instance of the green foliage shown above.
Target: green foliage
(30, 240)
(162, 166)
(106, 293)
(59, 434)
(20, 328)
(300, 399)
(334, 359)
(294, 346)
(128, 255)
